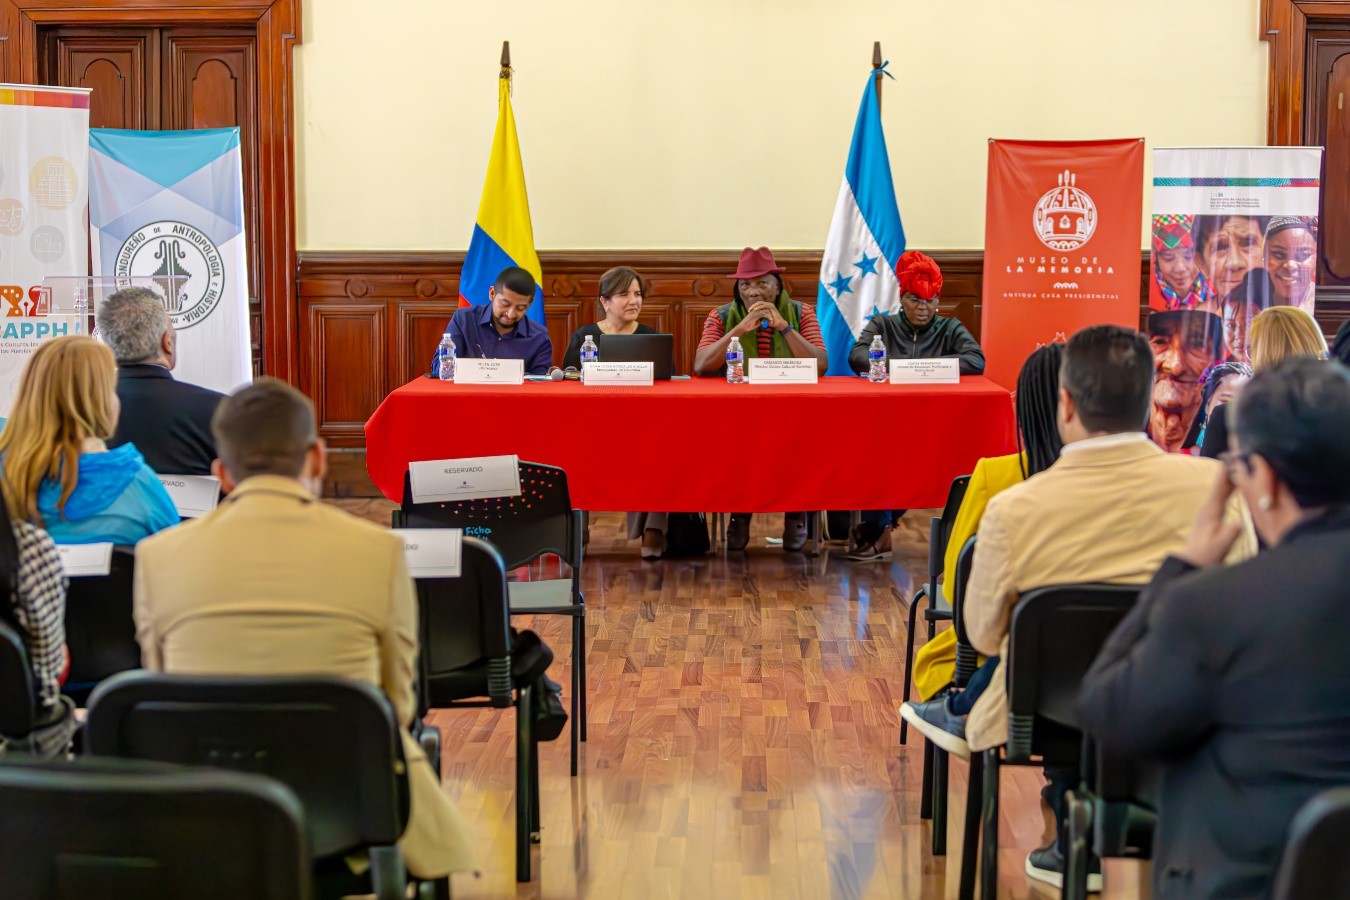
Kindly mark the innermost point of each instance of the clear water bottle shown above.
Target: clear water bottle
(589, 352)
(876, 362)
(735, 362)
(445, 358)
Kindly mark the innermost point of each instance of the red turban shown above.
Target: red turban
(919, 275)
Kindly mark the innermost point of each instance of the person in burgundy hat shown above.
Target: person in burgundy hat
(768, 323)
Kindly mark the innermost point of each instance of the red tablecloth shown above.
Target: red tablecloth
(706, 445)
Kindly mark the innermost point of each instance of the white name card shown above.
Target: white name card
(444, 480)
(192, 495)
(432, 552)
(782, 371)
(926, 371)
(630, 373)
(80, 560)
(489, 371)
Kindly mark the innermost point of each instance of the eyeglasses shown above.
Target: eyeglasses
(1231, 458)
(917, 299)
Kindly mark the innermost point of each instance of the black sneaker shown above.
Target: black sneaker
(1046, 865)
(738, 531)
(794, 532)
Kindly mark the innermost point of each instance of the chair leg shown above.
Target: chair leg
(970, 832)
(536, 823)
(577, 688)
(939, 801)
(1079, 814)
(524, 740)
(388, 878)
(580, 641)
(989, 827)
(926, 790)
(909, 656)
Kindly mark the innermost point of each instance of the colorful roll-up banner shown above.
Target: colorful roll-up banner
(1234, 232)
(1061, 246)
(44, 150)
(169, 206)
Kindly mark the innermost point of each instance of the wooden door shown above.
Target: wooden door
(178, 77)
(1328, 109)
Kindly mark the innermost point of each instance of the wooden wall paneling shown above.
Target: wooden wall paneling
(1328, 124)
(347, 369)
(693, 313)
(565, 316)
(119, 68)
(419, 325)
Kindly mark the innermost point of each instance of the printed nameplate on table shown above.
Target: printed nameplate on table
(192, 495)
(782, 371)
(80, 560)
(489, 371)
(626, 373)
(926, 371)
(432, 552)
(472, 478)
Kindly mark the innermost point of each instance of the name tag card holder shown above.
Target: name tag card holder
(926, 371)
(632, 374)
(84, 560)
(192, 495)
(489, 371)
(782, 371)
(471, 478)
(432, 552)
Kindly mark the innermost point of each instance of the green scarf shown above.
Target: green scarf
(750, 342)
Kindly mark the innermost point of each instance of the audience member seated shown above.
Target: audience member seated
(501, 328)
(782, 327)
(1038, 435)
(35, 607)
(1220, 385)
(1109, 510)
(169, 421)
(1235, 678)
(916, 331)
(1277, 334)
(58, 472)
(274, 582)
(622, 291)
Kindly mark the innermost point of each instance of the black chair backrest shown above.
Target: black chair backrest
(960, 581)
(1314, 863)
(99, 628)
(128, 831)
(332, 741)
(937, 544)
(18, 696)
(465, 620)
(541, 520)
(1055, 635)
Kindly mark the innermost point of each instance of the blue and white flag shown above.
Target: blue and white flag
(857, 274)
(168, 206)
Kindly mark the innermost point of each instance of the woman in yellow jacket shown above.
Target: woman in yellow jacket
(1038, 435)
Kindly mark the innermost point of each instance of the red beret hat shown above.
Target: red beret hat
(919, 275)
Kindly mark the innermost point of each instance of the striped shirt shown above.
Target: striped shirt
(715, 328)
(41, 609)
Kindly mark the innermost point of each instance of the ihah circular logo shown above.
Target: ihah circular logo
(184, 264)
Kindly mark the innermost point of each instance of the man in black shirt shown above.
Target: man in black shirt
(169, 421)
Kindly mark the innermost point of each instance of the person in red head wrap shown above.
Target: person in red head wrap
(914, 331)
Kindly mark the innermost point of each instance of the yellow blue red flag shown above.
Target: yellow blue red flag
(502, 234)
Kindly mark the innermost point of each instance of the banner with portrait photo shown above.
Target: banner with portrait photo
(1234, 231)
(44, 149)
(1061, 247)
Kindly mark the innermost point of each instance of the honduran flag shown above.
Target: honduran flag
(857, 273)
(502, 234)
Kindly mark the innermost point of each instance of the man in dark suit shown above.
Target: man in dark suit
(1235, 679)
(169, 421)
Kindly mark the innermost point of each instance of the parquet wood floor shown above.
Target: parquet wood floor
(744, 739)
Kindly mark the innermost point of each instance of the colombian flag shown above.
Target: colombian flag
(502, 235)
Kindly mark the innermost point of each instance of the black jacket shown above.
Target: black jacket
(1237, 680)
(941, 337)
(168, 421)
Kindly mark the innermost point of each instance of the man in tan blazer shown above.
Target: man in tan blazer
(274, 582)
(1109, 510)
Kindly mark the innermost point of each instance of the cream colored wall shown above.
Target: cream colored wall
(717, 123)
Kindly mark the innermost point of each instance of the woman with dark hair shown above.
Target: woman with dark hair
(1291, 261)
(1245, 708)
(1039, 442)
(622, 291)
(1219, 385)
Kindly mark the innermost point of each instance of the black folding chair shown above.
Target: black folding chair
(122, 830)
(466, 661)
(939, 609)
(540, 521)
(333, 742)
(935, 758)
(18, 695)
(1314, 863)
(1054, 636)
(100, 631)
(1110, 815)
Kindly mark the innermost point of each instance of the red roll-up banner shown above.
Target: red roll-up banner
(1061, 244)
